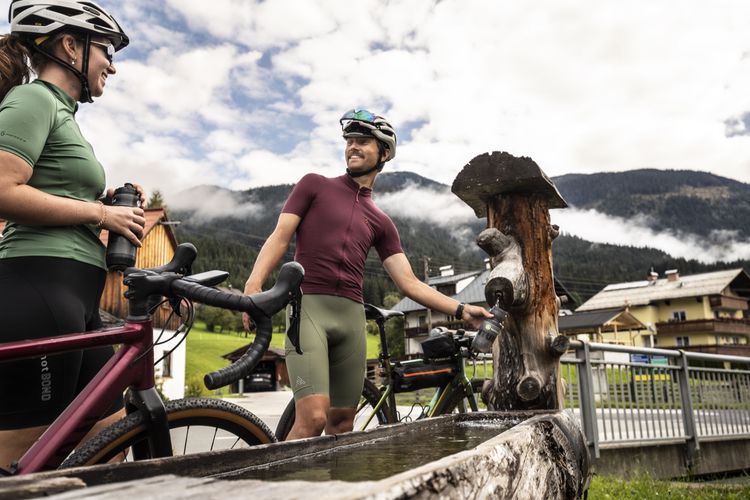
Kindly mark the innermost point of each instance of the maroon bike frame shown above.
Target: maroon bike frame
(131, 366)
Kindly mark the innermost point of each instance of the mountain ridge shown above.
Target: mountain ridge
(243, 219)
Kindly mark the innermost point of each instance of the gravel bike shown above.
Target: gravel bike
(152, 428)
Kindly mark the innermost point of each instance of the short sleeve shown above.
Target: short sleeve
(27, 115)
(302, 196)
(389, 242)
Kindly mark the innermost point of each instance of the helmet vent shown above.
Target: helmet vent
(63, 10)
(91, 8)
(35, 21)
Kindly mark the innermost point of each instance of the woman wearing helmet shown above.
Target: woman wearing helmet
(52, 265)
(336, 223)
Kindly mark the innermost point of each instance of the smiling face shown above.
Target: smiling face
(361, 153)
(99, 67)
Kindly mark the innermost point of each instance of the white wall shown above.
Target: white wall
(172, 387)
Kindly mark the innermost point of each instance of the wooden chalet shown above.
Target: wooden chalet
(159, 244)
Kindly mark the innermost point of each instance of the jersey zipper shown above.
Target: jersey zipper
(345, 243)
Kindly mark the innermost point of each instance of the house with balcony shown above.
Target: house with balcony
(465, 287)
(705, 312)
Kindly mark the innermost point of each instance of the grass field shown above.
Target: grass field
(645, 487)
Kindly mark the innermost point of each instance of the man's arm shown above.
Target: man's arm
(269, 256)
(272, 251)
(398, 267)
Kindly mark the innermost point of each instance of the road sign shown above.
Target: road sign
(659, 360)
(639, 358)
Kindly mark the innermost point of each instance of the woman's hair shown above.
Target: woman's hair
(17, 61)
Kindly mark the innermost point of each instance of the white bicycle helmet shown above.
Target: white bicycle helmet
(362, 123)
(38, 20)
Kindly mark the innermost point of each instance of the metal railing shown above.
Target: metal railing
(624, 396)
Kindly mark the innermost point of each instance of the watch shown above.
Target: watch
(460, 311)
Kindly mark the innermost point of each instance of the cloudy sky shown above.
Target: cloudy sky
(244, 93)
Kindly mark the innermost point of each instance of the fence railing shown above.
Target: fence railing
(626, 395)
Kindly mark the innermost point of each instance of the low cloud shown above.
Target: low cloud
(591, 225)
(439, 207)
(209, 202)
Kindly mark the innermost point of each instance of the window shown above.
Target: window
(683, 341)
(422, 320)
(679, 316)
(166, 366)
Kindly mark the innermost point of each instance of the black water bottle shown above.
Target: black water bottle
(490, 329)
(120, 251)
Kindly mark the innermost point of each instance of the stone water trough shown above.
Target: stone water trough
(533, 455)
(526, 446)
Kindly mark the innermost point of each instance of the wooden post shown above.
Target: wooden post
(515, 196)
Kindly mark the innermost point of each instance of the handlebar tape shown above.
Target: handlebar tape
(261, 307)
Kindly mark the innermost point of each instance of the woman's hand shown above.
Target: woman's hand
(138, 188)
(126, 221)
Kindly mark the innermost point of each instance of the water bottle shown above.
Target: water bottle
(120, 251)
(490, 329)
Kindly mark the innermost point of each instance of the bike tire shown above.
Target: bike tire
(455, 397)
(232, 425)
(370, 396)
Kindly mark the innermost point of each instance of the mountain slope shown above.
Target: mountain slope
(691, 202)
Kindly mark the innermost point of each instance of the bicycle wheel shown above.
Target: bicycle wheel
(196, 425)
(370, 397)
(454, 399)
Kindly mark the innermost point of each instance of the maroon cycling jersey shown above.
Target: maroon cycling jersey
(340, 223)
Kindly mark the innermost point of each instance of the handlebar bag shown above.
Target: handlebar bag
(424, 373)
(439, 346)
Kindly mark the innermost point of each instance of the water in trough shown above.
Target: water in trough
(379, 458)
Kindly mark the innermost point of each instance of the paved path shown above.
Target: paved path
(268, 406)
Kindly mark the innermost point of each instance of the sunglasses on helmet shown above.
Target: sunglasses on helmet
(109, 49)
(361, 115)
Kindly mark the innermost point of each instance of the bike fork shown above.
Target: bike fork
(149, 403)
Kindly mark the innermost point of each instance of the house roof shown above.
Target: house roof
(641, 293)
(473, 293)
(605, 320)
(455, 278)
(153, 217)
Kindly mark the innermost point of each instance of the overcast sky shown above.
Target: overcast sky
(243, 93)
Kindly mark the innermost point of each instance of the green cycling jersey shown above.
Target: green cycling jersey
(37, 124)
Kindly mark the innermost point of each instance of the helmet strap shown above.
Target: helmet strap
(378, 167)
(81, 75)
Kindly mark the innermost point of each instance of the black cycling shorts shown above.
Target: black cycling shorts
(42, 297)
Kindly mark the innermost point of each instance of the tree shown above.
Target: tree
(156, 200)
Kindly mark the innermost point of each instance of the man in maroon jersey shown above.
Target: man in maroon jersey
(336, 223)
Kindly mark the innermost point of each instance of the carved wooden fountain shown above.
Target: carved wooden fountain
(515, 196)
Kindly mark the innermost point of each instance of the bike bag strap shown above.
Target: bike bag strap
(261, 307)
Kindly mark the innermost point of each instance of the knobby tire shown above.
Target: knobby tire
(370, 393)
(246, 428)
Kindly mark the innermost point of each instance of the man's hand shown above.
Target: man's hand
(474, 315)
(246, 321)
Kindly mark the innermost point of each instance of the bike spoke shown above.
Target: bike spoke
(213, 440)
(187, 433)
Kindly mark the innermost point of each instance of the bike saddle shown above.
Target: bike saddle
(375, 313)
